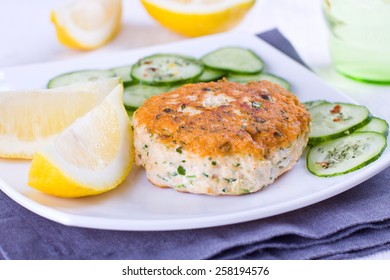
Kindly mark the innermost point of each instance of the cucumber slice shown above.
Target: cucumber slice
(125, 73)
(311, 104)
(78, 77)
(334, 120)
(133, 102)
(167, 69)
(234, 59)
(210, 74)
(376, 125)
(345, 154)
(130, 113)
(134, 96)
(244, 78)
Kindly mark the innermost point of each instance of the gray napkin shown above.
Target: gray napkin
(352, 224)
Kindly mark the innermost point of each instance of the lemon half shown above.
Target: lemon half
(31, 119)
(198, 17)
(91, 156)
(87, 24)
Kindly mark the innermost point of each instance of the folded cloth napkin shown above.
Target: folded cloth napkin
(353, 224)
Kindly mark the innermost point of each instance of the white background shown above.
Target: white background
(27, 36)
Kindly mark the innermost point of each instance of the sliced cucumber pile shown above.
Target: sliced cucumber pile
(344, 138)
(160, 73)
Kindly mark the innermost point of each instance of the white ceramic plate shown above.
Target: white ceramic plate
(136, 204)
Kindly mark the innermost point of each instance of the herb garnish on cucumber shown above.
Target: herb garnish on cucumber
(345, 154)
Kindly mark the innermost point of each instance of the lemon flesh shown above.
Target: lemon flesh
(87, 24)
(198, 17)
(31, 119)
(93, 155)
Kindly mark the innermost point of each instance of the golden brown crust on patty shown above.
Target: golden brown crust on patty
(222, 118)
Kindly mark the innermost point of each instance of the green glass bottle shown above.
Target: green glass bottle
(360, 38)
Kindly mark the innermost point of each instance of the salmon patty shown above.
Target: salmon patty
(220, 138)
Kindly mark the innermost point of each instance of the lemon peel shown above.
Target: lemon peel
(87, 24)
(194, 18)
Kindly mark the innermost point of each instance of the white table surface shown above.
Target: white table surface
(27, 37)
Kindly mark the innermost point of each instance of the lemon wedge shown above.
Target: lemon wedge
(91, 156)
(31, 119)
(87, 24)
(198, 17)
